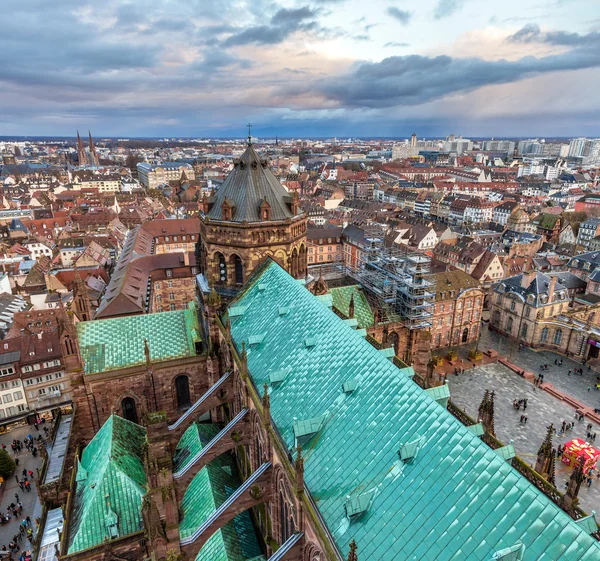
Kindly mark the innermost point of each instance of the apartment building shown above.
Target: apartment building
(153, 175)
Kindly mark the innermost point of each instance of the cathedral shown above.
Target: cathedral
(87, 157)
(257, 424)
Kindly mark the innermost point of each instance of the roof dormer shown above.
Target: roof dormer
(227, 210)
(265, 210)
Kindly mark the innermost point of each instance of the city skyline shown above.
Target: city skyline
(317, 68)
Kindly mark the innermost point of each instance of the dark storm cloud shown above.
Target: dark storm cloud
(446, 8)
(531, 33)
(403, 16)
(415, 79)
(282, 24)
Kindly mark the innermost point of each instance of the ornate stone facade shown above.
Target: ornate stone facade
(251, 218)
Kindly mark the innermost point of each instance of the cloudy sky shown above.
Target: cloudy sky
(300, 67)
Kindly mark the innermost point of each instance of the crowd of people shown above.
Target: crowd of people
(20, 546)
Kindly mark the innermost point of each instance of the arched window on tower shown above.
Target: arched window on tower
(182, 392)
(238, 268)
(222, 267)
(129, 409)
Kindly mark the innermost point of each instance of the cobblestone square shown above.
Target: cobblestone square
(29, 500)
(542, 409)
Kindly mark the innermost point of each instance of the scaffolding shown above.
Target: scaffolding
(397, 279)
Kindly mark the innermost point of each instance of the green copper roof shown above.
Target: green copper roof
(110, 485)
(341, 302)
(196, 437)
(456, 500)
(213, 484)
(110, 344)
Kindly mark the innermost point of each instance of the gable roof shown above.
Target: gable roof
(115, 343)
(249, 184)
(110, 483)
(457, 496)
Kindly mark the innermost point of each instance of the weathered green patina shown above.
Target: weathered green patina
(110, 485)
(213, 484)
(456, 499)
(111, 344)
(362, 311)
(196, 437)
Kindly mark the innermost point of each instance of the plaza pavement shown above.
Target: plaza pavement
(29, 500)
(581, 388)
(467, 390)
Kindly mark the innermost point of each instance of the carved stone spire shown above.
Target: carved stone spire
(320, 286)
(351, 307)
(570, 499)
(266, 403)
(244, 357)
(352, 553)
(491, 429)
(552, 468)
(82, 307)
(486, 412)
(545, 453)
(483, 405)
(299, 465)
(147, 354)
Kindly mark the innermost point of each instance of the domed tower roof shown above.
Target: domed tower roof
(247, 188)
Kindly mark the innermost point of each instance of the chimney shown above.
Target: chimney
(527, 278)
(551, 289)
(186, 259)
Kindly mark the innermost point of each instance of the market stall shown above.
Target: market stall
(577, 448)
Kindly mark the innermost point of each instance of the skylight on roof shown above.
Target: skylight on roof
(256, 339)
(283, 310)
(306, 428)
(477, 429)
(513, 553)
(506, 452)
(410, 450)
(440, 393)
(588, 523)
(350, 386)
(310, 342)
(359, 504)
(277, 377)
(237, 311)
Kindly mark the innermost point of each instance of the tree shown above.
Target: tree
(7, 464)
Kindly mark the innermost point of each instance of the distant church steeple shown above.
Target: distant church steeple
(80, 151)
(93, 154)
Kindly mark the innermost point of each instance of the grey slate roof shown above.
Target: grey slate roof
(249, 184)
(538, 287)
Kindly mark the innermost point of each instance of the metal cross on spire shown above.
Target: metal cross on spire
(249, 134)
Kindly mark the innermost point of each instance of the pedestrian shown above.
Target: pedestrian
(16, 497)
(521, 419)
(569, 371)
(28, 520)
(525, 419)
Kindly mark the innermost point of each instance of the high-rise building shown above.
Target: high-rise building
(577, 147)
(413, 139)
(507, 146)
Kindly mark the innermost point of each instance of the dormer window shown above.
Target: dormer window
(265, 211)
(227, 210)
